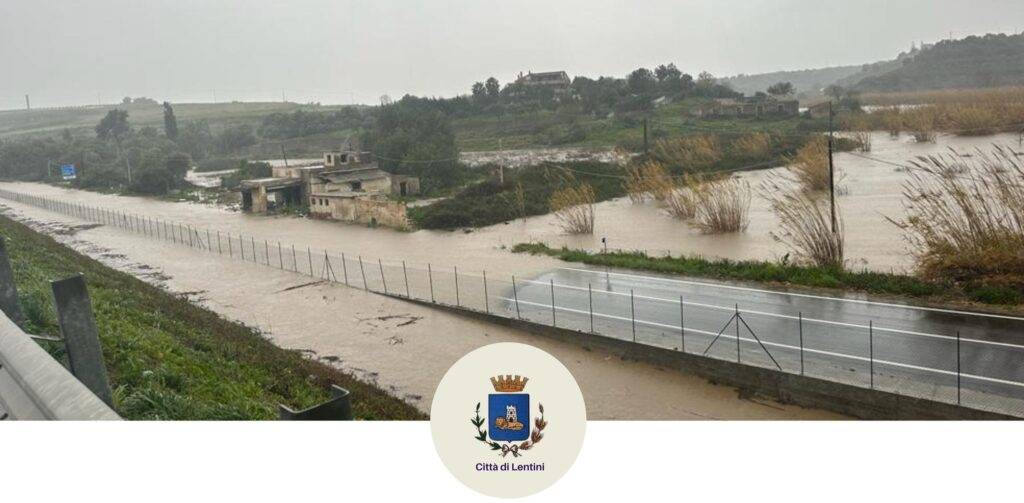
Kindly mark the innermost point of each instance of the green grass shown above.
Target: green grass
(779, 274)
(169, 359)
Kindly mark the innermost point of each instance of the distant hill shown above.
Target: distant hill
(988, 61)
(809, 82)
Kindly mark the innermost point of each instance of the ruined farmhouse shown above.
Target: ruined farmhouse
(347, 186)
(752, 107)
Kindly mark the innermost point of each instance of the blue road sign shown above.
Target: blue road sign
(67, 171)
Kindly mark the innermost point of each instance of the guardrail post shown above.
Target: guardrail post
(338, 408)
(78, 328)
(8, 289)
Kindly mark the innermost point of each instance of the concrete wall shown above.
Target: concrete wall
(361, 210)
(779, 386)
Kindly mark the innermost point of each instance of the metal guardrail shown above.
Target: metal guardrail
(34, 386)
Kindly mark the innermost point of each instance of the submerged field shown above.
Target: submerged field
(169, 359)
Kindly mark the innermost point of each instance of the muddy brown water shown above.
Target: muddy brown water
(407, 348)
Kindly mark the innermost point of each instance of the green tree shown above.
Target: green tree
(479, 90)
(170, 122)
(641, 81)
(667, 72)
(113, 126)
(493, 88)
(782, 89)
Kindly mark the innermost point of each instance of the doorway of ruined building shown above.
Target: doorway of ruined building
(403, 188)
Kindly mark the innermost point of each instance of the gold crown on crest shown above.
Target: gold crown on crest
(506, 384)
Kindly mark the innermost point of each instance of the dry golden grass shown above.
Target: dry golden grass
(810, 165)
(754, 145)
(683, 201)
(648, 179)
(921, 123)
(692, 153)
(573, 206)
(969, 112)
(965, 219)
(722, 206)
(806, 224)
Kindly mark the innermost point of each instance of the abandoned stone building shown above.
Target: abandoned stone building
(347, 186)
(558, 83)
(753, 107)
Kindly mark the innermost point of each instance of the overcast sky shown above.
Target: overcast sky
(335, 51)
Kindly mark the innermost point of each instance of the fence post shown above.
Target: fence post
(231, 246)
(800, 318)
(362, 271)
(266, 251)
(958, 367)
(309, 255)
(871, 351)
(590, 300)
(8, 289)
(252, 241)
(78, 329)
(280, 257)
(632, 313)
(458, 301)
(241, 247)
(220, 250)
(430, 279)
(515, 296)
(405, 272)
(682, 326)
(737, 317)
(384, 280)
(487, 299)
(344, 268)
(554, 320)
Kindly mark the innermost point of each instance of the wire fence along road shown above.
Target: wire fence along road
(944, 355)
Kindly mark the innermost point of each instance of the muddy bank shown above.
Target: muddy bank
(401, 347)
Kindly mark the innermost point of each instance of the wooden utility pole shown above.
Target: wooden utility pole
(831, 168)
(645, 136)
(28, 105)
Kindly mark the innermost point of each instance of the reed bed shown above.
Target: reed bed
(573, 207)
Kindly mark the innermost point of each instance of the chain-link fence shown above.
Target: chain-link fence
(961, 358)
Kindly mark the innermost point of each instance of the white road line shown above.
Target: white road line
(778, 345)
(877, 328)
(803, 295)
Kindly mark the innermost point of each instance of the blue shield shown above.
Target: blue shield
(509, 416)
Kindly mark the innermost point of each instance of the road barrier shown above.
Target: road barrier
(965, 359)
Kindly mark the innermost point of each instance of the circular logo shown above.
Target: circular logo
(508, 420)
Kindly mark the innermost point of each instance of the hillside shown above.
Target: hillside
(807, 82)
(974, 62)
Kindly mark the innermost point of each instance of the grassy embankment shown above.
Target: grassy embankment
(782, 274)
(169, 359)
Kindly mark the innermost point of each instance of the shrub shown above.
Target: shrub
(723, 206)
(806, 224)
(573, 206)
(965, 219)
(692, 153)
(649, 178)
(810, 165)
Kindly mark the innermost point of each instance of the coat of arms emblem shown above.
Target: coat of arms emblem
(508, 412)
